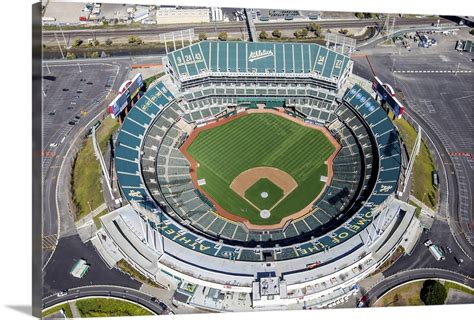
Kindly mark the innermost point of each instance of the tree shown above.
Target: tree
(202, 36)
(95, 55)
(93, 43)
(297, 34)
(359, 15)
(222, 36)
(77, 43)
(316, 28)
(70, 56)
(108, 42)
(135, 40)
(263, 35)
(472, 32)
(276, 33)
(304, 32)
(433, 293)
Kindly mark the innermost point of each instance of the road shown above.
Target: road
(105, 291)
(416, 274)
(57, 160)
(439, 104)
(235, 27)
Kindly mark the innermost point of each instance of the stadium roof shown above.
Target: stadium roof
(263, 58)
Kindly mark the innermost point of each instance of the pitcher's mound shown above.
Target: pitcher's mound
(264, 195)
(265, 214)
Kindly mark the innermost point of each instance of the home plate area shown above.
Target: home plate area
(265, 214)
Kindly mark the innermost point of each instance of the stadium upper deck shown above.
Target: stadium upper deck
(254, 62)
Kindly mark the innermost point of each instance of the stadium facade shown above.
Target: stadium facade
(170, 230)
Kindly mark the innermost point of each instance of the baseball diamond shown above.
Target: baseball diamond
(264, 194)
(261, 140)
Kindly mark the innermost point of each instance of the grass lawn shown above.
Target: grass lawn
(451, 285)
(64, 306)
(274, 193)
(422, 184)
(406, 295)
(97, 218)
(261, 140)
(107, 307)
(127, 268)
(86, 186)
(417, 210)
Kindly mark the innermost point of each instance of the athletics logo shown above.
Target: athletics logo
(384, 188)
(260, 54)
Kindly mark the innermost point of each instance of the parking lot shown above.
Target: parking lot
(437, 85)
(70, 91)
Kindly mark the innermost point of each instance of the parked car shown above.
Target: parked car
(163, 306)
(428, 243)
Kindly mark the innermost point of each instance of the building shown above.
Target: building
(171, 15)
(314, 260)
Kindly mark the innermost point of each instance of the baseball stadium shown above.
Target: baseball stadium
(258, 176)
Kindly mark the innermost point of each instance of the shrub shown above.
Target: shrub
(276, 33)
(222, 36)
(77, 43)
(70, 56)
(263, 35)
(202, 36)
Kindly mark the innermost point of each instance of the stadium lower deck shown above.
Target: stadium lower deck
(352, 228)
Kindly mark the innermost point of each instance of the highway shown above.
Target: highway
(105, 291)
(236, 27)
(415, 274)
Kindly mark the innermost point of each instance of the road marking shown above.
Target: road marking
(432, 71)
(49, 242)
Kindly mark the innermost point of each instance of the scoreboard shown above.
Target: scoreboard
(127, 92)
(387, 95)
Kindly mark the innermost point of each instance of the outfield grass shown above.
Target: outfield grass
(65, 306)
(422, 181)
(108, 307)
(253, 194)
(261, 140)
(86, 186)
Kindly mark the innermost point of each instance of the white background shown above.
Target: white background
(15, 154)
